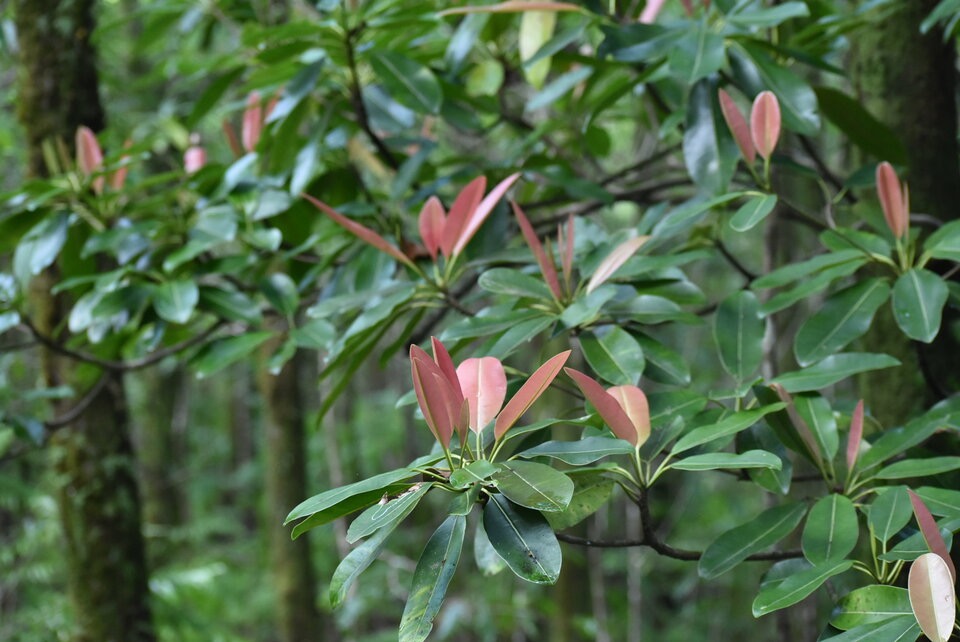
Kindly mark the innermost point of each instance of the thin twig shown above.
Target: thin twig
(79, 408)
(732, 260)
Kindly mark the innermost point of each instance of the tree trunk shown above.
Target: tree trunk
(286, 482)
(98, 495)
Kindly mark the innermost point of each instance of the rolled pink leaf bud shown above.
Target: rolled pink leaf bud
(89, 156)
(194, 159)
(894, 199)
(765, 123)
(650, 11)
(119, 176)
(738, 126)
(252, 122)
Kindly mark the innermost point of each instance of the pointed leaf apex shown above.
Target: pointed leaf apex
(529, 392)
(855, 437)
(765, 123)
(89, 156)
(432, 221)
(894, 199)
(360, 231)
(614, 260)
(738, 126)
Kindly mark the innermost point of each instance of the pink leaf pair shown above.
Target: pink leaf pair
(763, 132)
(614, 260)
(90, 161)
(894, 199)
(623, 408)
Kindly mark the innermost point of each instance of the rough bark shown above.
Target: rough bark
(286, 482)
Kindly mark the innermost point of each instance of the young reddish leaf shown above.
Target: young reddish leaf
(442, 358)
(252, 122)
(566, 242)
(231, 133)
(634, 404)
(484, 385)
(765, 123)
(687, 6)
(119, 175)
(894, 199)
(434, 395)
(360, 231)
(432, 221)
(482, 211)
(650, 11)
(89, 156)
(855, 436)
(798, 423)
(547, 268)
(194, 159)
(738, 127)
(932, 596)
(931, 533)
(513, 6)
(607, 406)
(614, 260)
(466, 202)
(529, 392)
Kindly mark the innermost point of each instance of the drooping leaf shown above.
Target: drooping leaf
(797, 587)
(833, 369)
(831, 531)
(734, 546)
(355, 563)
(523, 539)
(933, 596)
(409, 82)
(534, 485)
(615, 356)
(581, 452)
(869, 605)
(738, 330)
(734, 461)
(918, 300)
(529, 392)
(753, 212)
(383, 514)
(486, 557)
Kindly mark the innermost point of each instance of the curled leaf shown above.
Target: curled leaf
(484, 386)
(614, 260)
(608, 406)
(932, 596)
(931, 532)
(432, 220)
(855, 436)
(894, 199)
(765, 123)
(738, 126)
(89, 156)
(529, 392)
(547, 267)
(360, 231)
(252, 122)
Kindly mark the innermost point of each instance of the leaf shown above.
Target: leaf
(757, 71)
(738, 126)
(845, 316)
(760, 533)
(558, 88)
(615, 356)
(591, 491)
(833, 369)
(547, 267)
(478, 215)
(945, 242)
(409, 82)
(536, 28)
(889, 513)
(795, 271)
(932, 596)
(725, 428)
(376, 517)
(796, 587)
(607, 406)
(896, 629)
(869, 605)
(349, 506)
(753, 212)
(175, 301)
(219, 354)
(609, 265)
(915, 545)
(860, 126)
(831, 531)
(931, 533)
(523, 539)
(663, 364)
(39, 247)
(487, 559)
(335, 496)
(738, 330)
(696, 54)
(475, 471)
(941, 501)
(529, 392)
(717, 461)
(466, 203)
(815, 412)
(362, 232)
(484, 386)
(435, 569)
(534, 485)
(355, 563)
(581, 452)
(514, 283)
(765, 123)
(908, 468)
(232, 305)
(918, 300)
(708, 149)
(766, 17)
(436, 396)
(512, 6)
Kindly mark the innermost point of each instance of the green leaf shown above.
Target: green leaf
(725, 428)
(817, 414)
(663, 364)
(615, 355)
(760, 533)
(534, 485)
(355, 563)
(715, 461)
(860, 126)
(833, 369)
(316, 334)
(523, 539)
(579, 453)
(753, 212)
(914, 546)
(831, 531)
(889, 513)
(348, 506)
(281, 292)
(475, 471)
(409, 82)
(435, 569)
(708, 149)
(396, 509)
(945, 242)
(687, 215)
(591, 491)
(805, 290)
(869, 605)
(514, 283)
(918, 300)
(845, 316)
(231, 305)
(766, 17)
(175, 301)
(335, 496)
(919, 468)
(941, 501)
(486, 557)
(536, 29)
(738, 331)
(40, 246)
(221, 353)
(896, 629)
(757, 71)
(796, 587)
(696, 54)
(796, 271)
(558, 88)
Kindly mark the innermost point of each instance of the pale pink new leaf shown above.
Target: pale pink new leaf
(614, 260)
(634, 403)
(649, 13)
(194, 159)
(855, 436)
(931, 532)
(360, 231)
(482, 211)
(529, 392)
(512, 6)
(434, 395)
(466, 202)
(445, 362)
(547, 268)
(252, 122)
(607, 406)
(932, 596)
(89, 156)
(738, 127)
(484, 385)
(765, 123)
(432, 221)
(893, 200)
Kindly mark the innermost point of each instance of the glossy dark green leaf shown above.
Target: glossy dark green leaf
(221, 353)
(897, 440)
(376, 517)
(334, 496)
(708, 150)
(355, 563)
(175, 301)
(889, 513)
(231, 305)
(486, 557)
(738, 331)
(475, 471)
(534, 485)
(797, 587)
(845, 316)
(696, 54)
(432, 576)
(758, 71)
(281, 292)
(833, 369)
(689, 214)
(831, 531)
(896, 629)
(808, 288)
(523, 539)
(614, 355)
(760, 533)
(724, 428)
(40, 246)
(717, 461)
(514, 283)
(919, 468)
(941, 501)
(869, 605)
(818, 416)
(945, 242)
(409, 82)
(663, 364)
(918, 300)
(796, 271)
(860, 126)
(914, 546)
(591, 491)
(348, 506)
(558, 88)
(766, 17)
(753, 212)
(581, 452)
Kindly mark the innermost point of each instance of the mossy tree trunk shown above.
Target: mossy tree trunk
(98, 495)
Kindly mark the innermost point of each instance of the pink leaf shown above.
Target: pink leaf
(480, 214)
(484, 385)
(231, 133)
(360, 231)
(465, 203)
(119, 175)
(513, 6)
(932, 596)
(607, 406)
(765, 123)
(650, 11)
(252, 122)
(194, 159)
(567, 243)
(634, 404)
(855, 436)
(803, 430)
(738, 126)
(894, 199)
(529, 392)
(931, 532)
(614, 260)
(434, 395)
(89, 156)
(442, 358)
(432, 220)
(547, 268)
